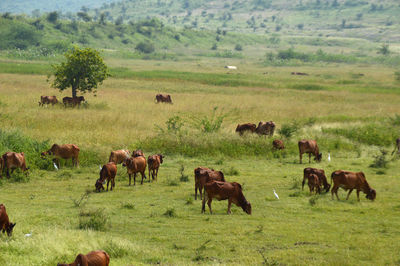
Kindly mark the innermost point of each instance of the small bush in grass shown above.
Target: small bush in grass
(295, 183)
(380, 160)
(183, 177)
(19, 177)
(189, 201)
(116, 250)
(295, 194)
(289, 129)
(219, 161)
(397, 75)
(128, 205)
(145, 47)
(172, 182)
(231, 171)
(83, 199)
(170, 212)
(94, 220)
(395, 120)
(238, 47)
(313, 200)
(64, 174)
(381, 172)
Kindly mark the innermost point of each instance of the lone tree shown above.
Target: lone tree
(83, 70)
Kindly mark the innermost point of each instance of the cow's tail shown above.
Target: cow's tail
(222, 176)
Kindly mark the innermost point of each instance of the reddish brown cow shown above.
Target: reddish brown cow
(94, 258)
(48, 100)
(136, 165)
(277, 144)
(203, 175)
(321, 176)
(73, 101)
(225, 190)
(310, 147)
(137, 153)
(109, 171)
(5, 224)
(314, 184)
(163, 98)
(65, 151)
(266, 128)
(351, 180)
(154, 162)
(119, 156)
(397, 146)
(242, 128)
(14, 160)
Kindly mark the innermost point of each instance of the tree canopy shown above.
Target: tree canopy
(83, 71)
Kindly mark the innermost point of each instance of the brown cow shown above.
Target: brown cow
(351, 180)
(397, 146)
(5, 224)
(109, 171)
(164, 98)
(73, 101)
(225, 190)
(65, 151)
(94, 258)
(48, 100)
(299, 73)
(314, 184)
(137, 153)
(136, 165)
(277, 144)
(310, 147)
(203, 175)
(321, 176)
(119, 156)
(154, 162)
(14, 160)
(242, 128)
(266, 128)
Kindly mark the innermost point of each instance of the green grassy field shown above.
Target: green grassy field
(161, 223)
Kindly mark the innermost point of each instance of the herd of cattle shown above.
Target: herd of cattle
(209, 181)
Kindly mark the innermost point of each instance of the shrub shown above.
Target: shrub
(397, 75)
(380, 160)
(214, 47)
(231, 171)
(238, 47)
(52, 17)
(94, 220)
(19, 36)
(183, 177)
(189, 201)
(170, 212)
(289, 129)
(128, 205)
(145, 47)
(116, 250)
(313, 200)
(212, 123)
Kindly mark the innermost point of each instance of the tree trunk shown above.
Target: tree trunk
(73, 92)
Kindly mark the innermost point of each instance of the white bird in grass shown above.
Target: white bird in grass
(28, 235)
(329, 156)
(100, 166)
(55, 166)
(276, 195)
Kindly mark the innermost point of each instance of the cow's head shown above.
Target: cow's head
(318, 158)
(371, 195)
(327, 187)
(99, 185)
(10, 228)
(247, 207)
(161, 157)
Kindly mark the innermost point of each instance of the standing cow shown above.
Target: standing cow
(119, 156)
(203, 175)
(48, 100)
(349, 181)
(310, 147)
(109, 171)
(266, 128)
(14, 160)
(320, 173)
(242, 128)
(136, 165)
(163, 98)
(154, 162)
(66, 151)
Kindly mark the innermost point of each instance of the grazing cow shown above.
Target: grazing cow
(351, 180)
(109, 171)
(73, 101)
(299, 73)
(119, 156)
(163, 98)
(397, 146)
(266, 128)
(137, 153)
(241, 128)
(225, 190)
(321, 176)
(310, 147)
(5, 224)
(14, 160)
(277, 144)
(136, 165)
(48, 100)
(65, 151)
(94, 258)
(314, 184)
(154, 162)
(203, 175)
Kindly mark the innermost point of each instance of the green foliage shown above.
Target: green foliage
(397, 75)
(93, 220)
(20, 36)
(174, 124)
(52, 17)
(380, 160)
(183, 177)
(170, 212)
(232, 171)
(313, 200)
(116, 249)
(211, 123)
(83, 70)
(384, 49)
(238, 47)
(145, 47)
(289, 129)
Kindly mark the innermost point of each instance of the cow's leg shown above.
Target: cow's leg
(334, 190)
(149, 174)
(129, 179)
(143, 175)
(229, 205)
(200, 191)
(349, 194)
(302, 183)
(8, 172)
(195, 191)
(358, 195)
(156, 174)
(203, 205)
(134, 179)
(108, 181)
(309, 157)
(209, 203)
(301, 156)
(77, 161)
(113, 183)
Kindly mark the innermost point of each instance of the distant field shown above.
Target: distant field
(352, 116)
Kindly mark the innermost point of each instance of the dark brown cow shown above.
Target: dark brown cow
(136, 165)
(65, 151)
(351, 180)
(73, 101)
(310, 147)
(119, 156)
(397, 146)
(137, 153)
(266, 128)
(109, 171)
(321, 176)
(299, 73)
(277, 144)
(242, 128)
(94, 258)
(48, 100)
(225, 190)
(14, 160)
(202, 175)
(5, 224)
(163, 98)
(154, 162)
(314, 184)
